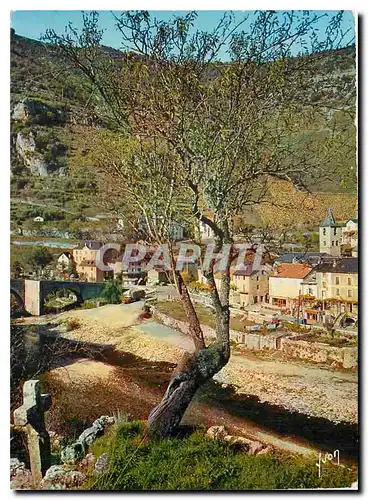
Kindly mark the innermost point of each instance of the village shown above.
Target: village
(184, 251)
(311, 288)
(303, 303)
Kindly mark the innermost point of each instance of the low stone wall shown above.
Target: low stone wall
(183, 326)
(320, 353)
(293, 345)
(269, 341)
(350, 357)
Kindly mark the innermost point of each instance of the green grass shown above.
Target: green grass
(199, 463)
(92, 303)
(174, 308)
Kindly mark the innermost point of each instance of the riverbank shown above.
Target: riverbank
(289, 404)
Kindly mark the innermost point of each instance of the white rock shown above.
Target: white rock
(61, 477)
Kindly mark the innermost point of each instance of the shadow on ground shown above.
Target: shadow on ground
(149, 380)
(315, 431)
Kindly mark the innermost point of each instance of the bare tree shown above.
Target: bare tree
(202, 121)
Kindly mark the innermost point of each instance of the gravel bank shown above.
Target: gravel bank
(307, 389)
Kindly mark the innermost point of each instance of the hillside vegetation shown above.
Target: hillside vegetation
(55, 114)
(289, 207)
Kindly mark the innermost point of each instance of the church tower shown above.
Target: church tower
(330, 233)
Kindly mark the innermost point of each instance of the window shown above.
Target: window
(310, 291)
(257, 287)
(324, 243)
(257, 278)
(337, 280)
(349, 281)
(333, 243)
(324, 231)
(350, 294)
(335, 231)
(337, 292)
(337, 243)
(323, 284)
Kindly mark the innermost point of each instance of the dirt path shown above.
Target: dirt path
(112, 315)
(74, 371)
(314, 390)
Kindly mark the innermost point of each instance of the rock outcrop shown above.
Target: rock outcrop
(247, 445)
(20, 476)
(76, 451)
(38, 112)
(62, 477)
(26, 148)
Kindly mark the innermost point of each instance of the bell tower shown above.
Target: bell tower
(330, 233)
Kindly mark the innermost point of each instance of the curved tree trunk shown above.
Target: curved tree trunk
(194, 369)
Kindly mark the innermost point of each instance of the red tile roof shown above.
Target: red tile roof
(292, 271)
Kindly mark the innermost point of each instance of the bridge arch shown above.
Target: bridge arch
(34, 292)
(60, 292)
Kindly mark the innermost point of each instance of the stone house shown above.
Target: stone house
(338, 238)
(64, 261)
(309, 285)
(252, 285)
(330, 235)
(205, 232)
(176, 231)
(350, 238)
(157, 275)
(85, 256)
(86, 251)
(285, 285)
(89, 271)
(202, 278)
(134, 272)
(337, 284)
(329, 289)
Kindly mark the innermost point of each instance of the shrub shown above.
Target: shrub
(112, 292)
(72, 324)
(92, 303)
(197, 286)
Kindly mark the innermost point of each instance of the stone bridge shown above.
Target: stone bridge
(31, 294)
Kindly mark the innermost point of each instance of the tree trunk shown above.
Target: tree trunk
(193, 371)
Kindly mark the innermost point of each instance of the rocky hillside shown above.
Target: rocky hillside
(52, 116)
